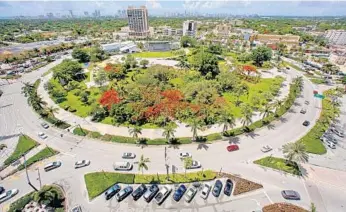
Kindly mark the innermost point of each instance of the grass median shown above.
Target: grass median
(25, 144)
(98, 182)
(43, 154)
(279, 164)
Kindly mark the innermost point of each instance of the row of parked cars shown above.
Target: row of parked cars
(159, 195)
(329, 137)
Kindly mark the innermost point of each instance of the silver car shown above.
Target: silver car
(8, 195)
(190, 194)
(129, 155)
(81, 163)
(205, 190)
(195, 165)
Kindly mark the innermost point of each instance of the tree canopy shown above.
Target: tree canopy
(261, 54)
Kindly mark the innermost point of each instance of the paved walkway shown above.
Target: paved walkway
(182, 129)
(15, 165)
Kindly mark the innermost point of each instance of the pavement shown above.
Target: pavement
(212, 156)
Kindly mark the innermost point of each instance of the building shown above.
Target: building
(168, 31)
(337, 37)
(223, 30)
(138, 21)
(236, 22)
(339, 59)
(190, 28)
(289, 40)
(114, 47)
(157, 46)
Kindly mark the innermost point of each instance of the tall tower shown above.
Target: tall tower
(138, 21)
(189, 28)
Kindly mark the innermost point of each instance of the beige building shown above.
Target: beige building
(339, 59)
(223, 30)
(138, 21)
(289, 40)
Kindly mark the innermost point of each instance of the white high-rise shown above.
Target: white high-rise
(336, 36)
(190, 28)
(138, 21)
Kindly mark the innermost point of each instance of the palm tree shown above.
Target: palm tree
(142, 163)
(168, 132)
(266, 112)
(27, 88)
(247, 113)
(195, 126)
(135, 132)
(187, 163)
(277, 105)
(313, 207)
(228, 121)
(51, 110)
(295, 152)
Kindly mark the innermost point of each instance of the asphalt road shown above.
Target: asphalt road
(20, 117)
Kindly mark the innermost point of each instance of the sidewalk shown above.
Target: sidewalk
(11, 168)
(181, 131)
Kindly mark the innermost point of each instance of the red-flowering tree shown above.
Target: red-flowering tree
(249, 69)
(109, 98)
(172, 95)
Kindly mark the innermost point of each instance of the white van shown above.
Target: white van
(123, 166)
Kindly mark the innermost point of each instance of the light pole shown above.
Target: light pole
(27, 176)
(39, 177)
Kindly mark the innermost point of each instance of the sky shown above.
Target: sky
(160, 7)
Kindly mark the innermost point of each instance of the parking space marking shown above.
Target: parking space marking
(270, 200)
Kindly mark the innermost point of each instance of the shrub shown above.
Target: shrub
(43, 154)
(214, 136)
(19, 204)
(122, 139)
(94, 135)
(79, 131)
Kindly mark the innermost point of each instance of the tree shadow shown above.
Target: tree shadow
(142, 143)
(270, 126)
(291, 110)
(251, 134)
(283, 120)
(297, 104)
(202, 146)
(234, 140)
(303, 172)
(5, 137)
(5, 106)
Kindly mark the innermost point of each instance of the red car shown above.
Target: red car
(232, 148)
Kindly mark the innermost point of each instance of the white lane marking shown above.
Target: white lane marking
(68, 154)
(270, 200)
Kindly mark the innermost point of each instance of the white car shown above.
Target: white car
(195, 165)
(190, 194)
(81, 163)
(42, 135)
(129, 155)
(163, 193)
(8, 195)
(205, 190)
(266, 148)
(183, 155)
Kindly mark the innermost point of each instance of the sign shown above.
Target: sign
(315, 92)
(319, 96)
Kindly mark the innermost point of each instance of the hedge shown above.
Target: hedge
(279, 164)
(98, 182)
(25, 144)
(43, 154)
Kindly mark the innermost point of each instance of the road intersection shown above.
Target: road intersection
(19, 117)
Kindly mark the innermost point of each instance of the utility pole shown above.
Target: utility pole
(27, 176)
(39, 177)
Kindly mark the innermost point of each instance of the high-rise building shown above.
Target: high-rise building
(138, 21)
(86, 13)
(336, 36)
(71, 13)
(189, 28)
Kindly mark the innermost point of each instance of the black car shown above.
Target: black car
(139, 192)
(151, 192)
(112, 191)
(124, 193)
(306, 123)
(217, 188)
(179, 193)
(228, 187)
(2, 189)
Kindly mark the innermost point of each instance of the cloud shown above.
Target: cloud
(153, 4)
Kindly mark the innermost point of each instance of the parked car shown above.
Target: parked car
(124, 193)
(45, 125)
(307, 102)
(303, 111)
(290, 194)
(217, 188)
(112, 191)
(8, 195)
(51, 166)
(42, 135)
(190, 194)
(81, 163)
(338, 131)
(306, 123)
(195, 165)
(179, 193)
(331, 145)
(205, 190)
(266, 148)
(329, 137)
(163, 194)
(76, 208)
(123, 166)
(129, 155)
(232, 148)
(185, 155)
(228, 187)
(2, 189)
(139, 192)
(151, 192)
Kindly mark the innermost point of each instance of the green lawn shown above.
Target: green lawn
(43, 154)
(25, 144)
(255, 89)
(156, 54)
(278, 164)
(98, 182)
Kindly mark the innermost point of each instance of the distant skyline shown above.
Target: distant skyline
(160, 7)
